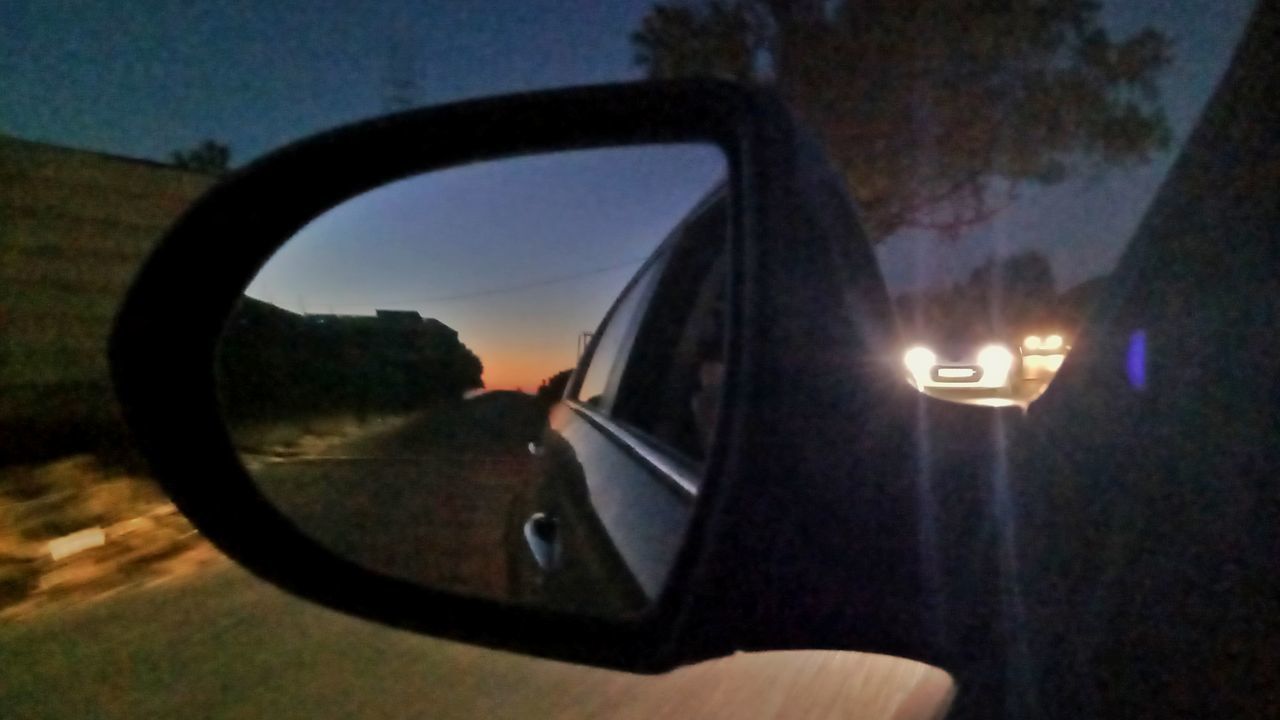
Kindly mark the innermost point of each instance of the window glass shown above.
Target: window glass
(596, 389)
(670, 388)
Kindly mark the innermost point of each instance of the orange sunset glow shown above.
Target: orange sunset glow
(524, 370)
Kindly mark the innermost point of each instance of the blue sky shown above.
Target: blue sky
(145, 77)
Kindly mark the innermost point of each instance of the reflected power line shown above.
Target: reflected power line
(504, 289)
(535, 284)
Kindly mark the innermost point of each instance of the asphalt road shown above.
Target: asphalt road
(226, 645)
(427, 500)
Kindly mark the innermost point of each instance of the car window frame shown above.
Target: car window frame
(694, 257)
(647, 280)
(682, 475)
(624, 316)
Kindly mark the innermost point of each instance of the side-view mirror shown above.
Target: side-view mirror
(523, 372)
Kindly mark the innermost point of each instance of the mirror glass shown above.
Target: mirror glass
(395, 376)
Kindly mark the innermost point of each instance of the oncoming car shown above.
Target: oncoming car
(1042, 355)
(983, 375)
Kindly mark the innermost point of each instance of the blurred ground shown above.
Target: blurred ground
(77, 529)
(83, 526)
(156, 623)
(222, 644)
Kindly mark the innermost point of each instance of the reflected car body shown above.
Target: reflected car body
(584, 507)
(620, 457)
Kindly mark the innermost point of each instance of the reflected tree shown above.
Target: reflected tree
(276, 365)
(552, 389)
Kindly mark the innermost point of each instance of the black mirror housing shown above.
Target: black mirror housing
(810, 335)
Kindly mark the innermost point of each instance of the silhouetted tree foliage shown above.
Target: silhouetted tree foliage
(275, 364)
(208, 157)
(1002, 297)
(1020, 287)
(1077, 302)
(552, 389)
(934, 109)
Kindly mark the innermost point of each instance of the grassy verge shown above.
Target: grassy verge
(135, 534)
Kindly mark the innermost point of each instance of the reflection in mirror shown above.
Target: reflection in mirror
(393, 376)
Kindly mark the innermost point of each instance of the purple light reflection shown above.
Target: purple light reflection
(1136, 360)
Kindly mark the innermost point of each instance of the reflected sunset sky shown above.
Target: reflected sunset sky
(519, 256)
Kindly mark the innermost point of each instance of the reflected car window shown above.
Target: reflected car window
(599, 384)
(670, 389)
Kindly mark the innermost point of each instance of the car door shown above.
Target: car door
(621, 457)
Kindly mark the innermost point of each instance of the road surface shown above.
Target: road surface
(226, 645)
(426, 500)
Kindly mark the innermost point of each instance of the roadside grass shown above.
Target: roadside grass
(124, 530)
(131, 525)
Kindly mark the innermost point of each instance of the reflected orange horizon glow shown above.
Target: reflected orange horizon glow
(522, 371)
(520, 352)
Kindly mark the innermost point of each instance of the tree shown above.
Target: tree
(1023, 274)
(1021, 287)
(1011, 294)
(209, 157)
(552, 389)
(935, 110)
(277, 364)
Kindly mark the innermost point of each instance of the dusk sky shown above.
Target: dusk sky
(519, 256)
(145, 78)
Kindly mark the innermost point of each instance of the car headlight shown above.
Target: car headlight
(1032, 342)
(919, 360)
(1053, 342)
(996, 361)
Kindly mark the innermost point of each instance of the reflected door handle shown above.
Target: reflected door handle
(542, 534)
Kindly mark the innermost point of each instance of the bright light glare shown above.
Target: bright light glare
(994, 402)
(1053, 342)
(1032, 342)
(1048, 363)
(919, 360)
(996, 360)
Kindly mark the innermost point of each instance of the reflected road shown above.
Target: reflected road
(427, 501)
